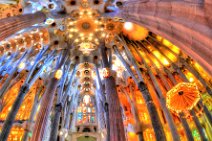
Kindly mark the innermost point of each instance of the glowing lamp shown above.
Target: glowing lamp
(106, 72)
(182, 97)
(86, 99)
(21, 65)
(128, 26)
(58, 74)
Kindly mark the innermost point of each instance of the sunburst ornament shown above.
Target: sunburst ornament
(113, 27)
(86, 26)
(182, 97)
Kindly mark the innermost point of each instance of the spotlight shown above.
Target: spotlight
(128, 25)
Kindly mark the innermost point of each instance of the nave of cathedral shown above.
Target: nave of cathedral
(105, 70)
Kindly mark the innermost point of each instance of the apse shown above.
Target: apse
(105, 70)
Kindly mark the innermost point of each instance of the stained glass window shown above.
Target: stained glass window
(86, 111)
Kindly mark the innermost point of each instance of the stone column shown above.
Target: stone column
(56, 122)
(11, 25)
(134, 109)
(186, 127)
(155, 120)
(32, 114)
(115, 117)
(198, 125)
(47, 102)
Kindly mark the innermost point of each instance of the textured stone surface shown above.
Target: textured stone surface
(186, 24)
(11, 25)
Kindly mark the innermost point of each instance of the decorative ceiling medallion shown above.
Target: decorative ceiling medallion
(86, 25)
(86, 47)
(84, 4)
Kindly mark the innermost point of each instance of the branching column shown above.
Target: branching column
(115, 116)
(155, 120)
(46, 104)
(11, 25)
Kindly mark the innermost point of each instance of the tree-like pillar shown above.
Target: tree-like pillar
(207, 112)
(161, 98)
(47, 102)
(186, 127)
(44, 111)
(12, 114)
(198, 125)
(116, 122)
(32, 114)
(197, 75)
(56, 121)
(155, 120)
(134, 109)
(11, 25)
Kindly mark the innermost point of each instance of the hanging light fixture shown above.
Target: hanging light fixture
(58, 74)
(182, 97)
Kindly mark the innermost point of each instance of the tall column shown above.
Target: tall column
(116, 122)
(47, 102)
(33, 113)
(100, 99)
(134, 109)
(186, 127)
(44, 111)
(197, 75)
(162, 101)
(198, 125)
(161, 98)
(11, 25)
(155, 120)
(56, 122)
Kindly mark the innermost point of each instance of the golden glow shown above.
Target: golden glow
(132, 136)
(16, 134)
(58, 74)
(170, 55)
(175, 49)
(128, 26)
(86, 99)
(21, 65)
(134, 31)
(182, 97)
(10, 96)
(159, 38)
(190, 76)
(149, 135)
(161, 58)
(166, 43)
